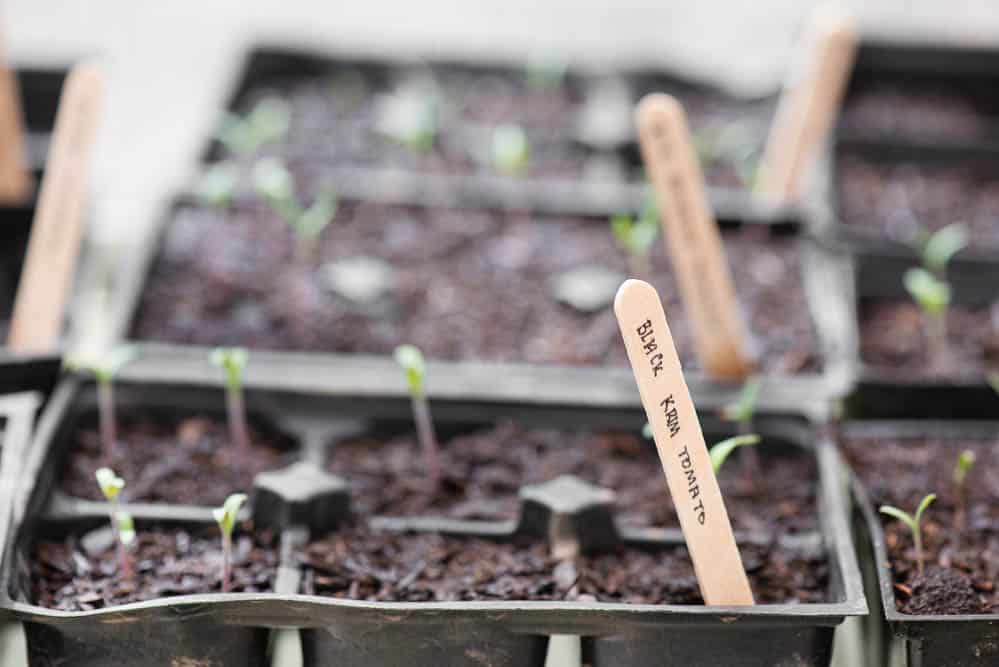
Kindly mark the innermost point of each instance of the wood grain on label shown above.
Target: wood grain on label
(15, 179)
(680, 442)
(809, 104)
(46, 279)
(691, 233)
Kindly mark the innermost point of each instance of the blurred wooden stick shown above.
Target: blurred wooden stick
(46, 279)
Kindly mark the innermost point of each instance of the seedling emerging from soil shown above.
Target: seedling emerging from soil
(126, 536)
(720, 452)
(636, 236)
(933, 297)
(411, 360)
(274, 182)
(965, 460)
(104, 371)
(731, 144)
(409, 117)
(217, 184)
(111, 486)
(266, 122)
(511, 150)
(941, 246)
(545, 73)
(233, 361)
(742, 410)
(912, 521)
(225, 516)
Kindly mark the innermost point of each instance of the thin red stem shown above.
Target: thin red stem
(238, 431)
(105, 401)
(428, 439)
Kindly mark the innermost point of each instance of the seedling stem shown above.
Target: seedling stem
(233, 360)
(912, 521)
(411, 360)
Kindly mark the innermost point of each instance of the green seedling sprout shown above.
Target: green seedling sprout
(233, 361)
(731, 144)
(941, 246)
(411, 117)
(511, 150)
(111, 486)
(411, 360)
(266, 122)
(545, 72)
(965, 461)
(741, 412)
(720, 452)
(932, 295)
(217, 184)
(225, 516)
(636, 236)
(913, 522)
(126, 537)
(275, 184)
(647, 431)
(104, 371)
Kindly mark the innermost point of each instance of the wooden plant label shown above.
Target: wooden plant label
(692, 237)
(58, 225)
(808, 107)
(15, 181)
(680, 442)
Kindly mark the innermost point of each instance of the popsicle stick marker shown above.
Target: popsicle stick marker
(809, 104)
(47, 276)
(692, 238)
(15, 180)
(680, 442)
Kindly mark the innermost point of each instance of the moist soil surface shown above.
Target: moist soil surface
(360, 564)
(166, 562)
(461, 285)
(188, 460)
(484, 469)
(901, 200)
(348, 108)
(962, 564)
(894, 344)
(935, 112)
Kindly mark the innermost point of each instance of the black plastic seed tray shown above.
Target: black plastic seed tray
(233, 628)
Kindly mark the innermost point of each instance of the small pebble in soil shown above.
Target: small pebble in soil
(362, 280)
(588, 288)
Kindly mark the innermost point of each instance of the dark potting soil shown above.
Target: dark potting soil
(893, 341)
(899, 200)
(338, 119)
(462, 285)
(921, 112)
(166, 562)
(170, 459)
(357, 563)
(962, 565)
(484, 469)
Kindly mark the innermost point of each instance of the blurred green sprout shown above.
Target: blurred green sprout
(104, 369)
(511, 150)
(276, 185)
(933, 297)
(636, 235)
(243, 135)
(233, 361)
(410, 358)
(720, 452)
(941, 246)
